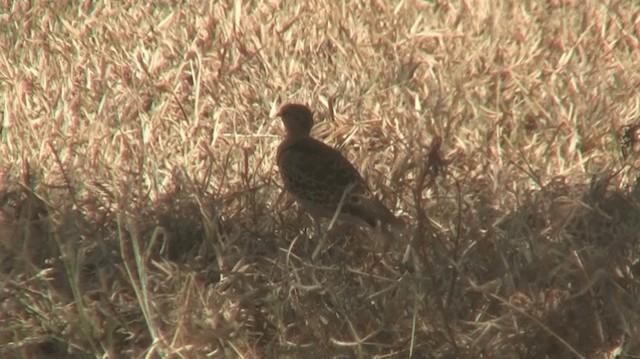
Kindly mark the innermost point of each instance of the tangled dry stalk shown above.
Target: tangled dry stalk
(142, 215)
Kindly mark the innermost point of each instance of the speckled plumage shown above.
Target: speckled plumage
(317, 175)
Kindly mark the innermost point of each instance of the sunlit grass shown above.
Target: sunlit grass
(142, 214)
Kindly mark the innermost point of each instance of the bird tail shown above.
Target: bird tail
(374, 213)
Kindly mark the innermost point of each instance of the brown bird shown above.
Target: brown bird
(322, 181)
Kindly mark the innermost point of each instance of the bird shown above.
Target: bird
(321, 180)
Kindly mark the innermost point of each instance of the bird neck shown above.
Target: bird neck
(294, 136)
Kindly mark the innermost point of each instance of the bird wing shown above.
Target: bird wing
(317, 173)
(310, 168)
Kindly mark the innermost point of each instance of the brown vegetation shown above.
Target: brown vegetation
(143, 217)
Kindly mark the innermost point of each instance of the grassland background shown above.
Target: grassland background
(142, 215)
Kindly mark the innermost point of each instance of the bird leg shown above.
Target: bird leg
(336, 214)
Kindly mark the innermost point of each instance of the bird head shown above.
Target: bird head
(297, 119)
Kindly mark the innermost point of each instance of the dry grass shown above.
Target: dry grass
(142, 215)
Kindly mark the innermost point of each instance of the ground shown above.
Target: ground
(142, 214)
